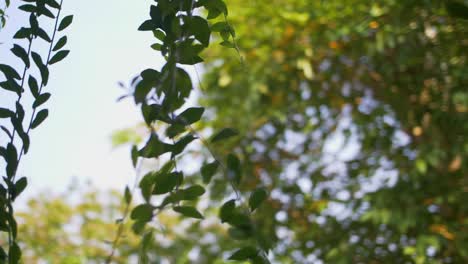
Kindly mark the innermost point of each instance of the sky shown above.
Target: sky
(75, 141)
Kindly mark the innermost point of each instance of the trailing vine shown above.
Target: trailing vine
(20, 125)
(181, 36)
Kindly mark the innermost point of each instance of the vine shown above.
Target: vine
(14, 150)
(182, 35)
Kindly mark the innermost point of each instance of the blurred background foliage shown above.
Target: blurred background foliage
(353, 114)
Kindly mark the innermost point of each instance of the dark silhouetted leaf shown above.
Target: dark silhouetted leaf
(60, 43)
(66, 21)
(22, 54)
(188, 211)
(41, 99)
(143, 212)
(59, 56)
(192, 192)
(227, 210)
(9, 72)
(224, 134)
(40, 117)
(33, 86)
(208, 171)
(6, 113)
(191, 115)
(257, 197)
(244, 253)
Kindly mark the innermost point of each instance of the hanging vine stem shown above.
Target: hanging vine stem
(11, 155)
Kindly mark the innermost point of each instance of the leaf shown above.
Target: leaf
(191, 115)
(244, 253)
(154, 148)
(11, 85)
(9, 72)
(134, 154)
(42, 67)
(208, 171)
(53, 3)
(227, 210)
(127, 195)
(199, 27)
(193, 192)
(14, 254)
(66, 21)
(166, 182)
(457, 9)
(143, 212)
(33, 86)
(182, 144)
(43, 35)
(59, 56)
(224, 134)
(60, 43)
(41, 99)
(20, 185)
(188, 211)
(6, 113)
(257, 197)
(234, 170)
(40, 117)
(22, 54)
(28, 8)
(148, 25)
(12, 160)
(23, 33)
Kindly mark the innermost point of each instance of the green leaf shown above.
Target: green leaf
(40, 117)
(208, 171)
(143, 212)
(257, 197)
(53, 3)
(6, 113)
(193, 192)
(9, 72)
(60, 43)
(199, 27)
(224, 134)
(191, 115)
(23, 33)
(166, 182)
(244, 253)
(59, 56)
(66, 21)
(14, 254)
(182, 144)
(148, 25)
(227, 210)
(41, 99)
(22, 54)
(154, 148)
(219, 26)
(234, 170)
(28, 8)
(457, 9)
(127, 195)
(20, 185)
(156, 46)
(11, 85)
(33, 86)
(42, 67)
(43, 35)
(134, 154)
(12, 160)
(188, 211)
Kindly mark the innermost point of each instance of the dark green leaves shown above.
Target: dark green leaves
(208, 171)
(23, 33)
(33, 86)
(143, 212)
(14, 254)
(244, 253)
(20, 185)
(234, 170)
(41, 99)
(457, 9)
(6, 113)
(40, 117)
(191, 115)
(166, 182)
(9, 72)
(11, 157)
(199, 27)
(154, 148)
(21, 53)
(60, 43)
(227, 210)
(224, 134)
(127, 195)
(42, 67)
(66, 21)
(59, 56)
(188, 211)
(193, 192)
(257, 197)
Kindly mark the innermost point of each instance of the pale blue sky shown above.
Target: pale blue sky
(75, 140)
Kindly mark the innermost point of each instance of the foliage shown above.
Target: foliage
(3, 16)
(354, 114)
(20, 123)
